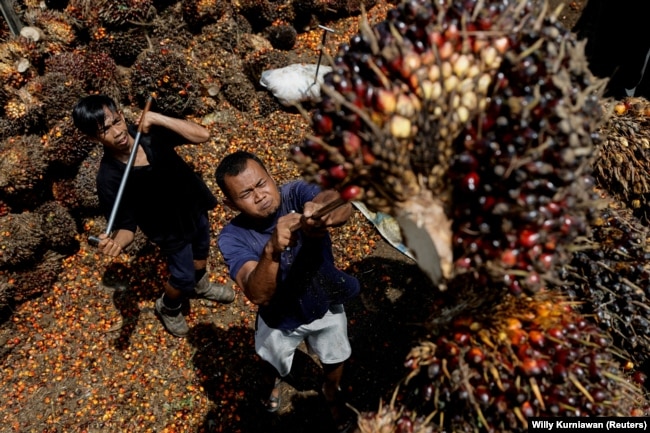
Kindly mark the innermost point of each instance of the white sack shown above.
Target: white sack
(294, 83)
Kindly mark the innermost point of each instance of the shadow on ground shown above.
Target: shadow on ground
(384, 322)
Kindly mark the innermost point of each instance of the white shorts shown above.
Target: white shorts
(327, 337)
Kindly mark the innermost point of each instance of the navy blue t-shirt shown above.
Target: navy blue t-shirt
(309, 282)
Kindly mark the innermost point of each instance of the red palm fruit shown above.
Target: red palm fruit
(536, 339)
(351, 192)
(475, 355)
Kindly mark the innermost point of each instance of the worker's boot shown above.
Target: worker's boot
(214, 292)
(172, 319)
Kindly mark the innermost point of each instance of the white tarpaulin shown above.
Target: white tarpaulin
(295, 83)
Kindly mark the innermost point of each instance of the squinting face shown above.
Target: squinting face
(114, 134)
(253, 191)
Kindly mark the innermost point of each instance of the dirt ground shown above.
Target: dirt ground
(90, 355)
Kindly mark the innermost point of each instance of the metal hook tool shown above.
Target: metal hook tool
(322, 45)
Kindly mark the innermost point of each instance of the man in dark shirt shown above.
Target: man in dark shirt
(282, 258)
(163, 197)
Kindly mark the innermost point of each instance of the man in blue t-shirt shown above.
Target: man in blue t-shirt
(282, 258)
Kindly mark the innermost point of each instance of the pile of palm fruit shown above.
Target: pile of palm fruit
(487, 111)
(192, 54)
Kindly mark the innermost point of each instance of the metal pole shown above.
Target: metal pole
(10, 17)
(322, 44)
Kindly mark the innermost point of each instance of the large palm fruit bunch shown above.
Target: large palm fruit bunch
(111, 13)
(622, 165)
(22, 169)
(57, 33)
(198, 13)
(21, 240)
(610, 275)
(16, 58)
(495, 366)
(96, 71)
(78, 191)
(486, 109)
(124, 45)
(169, 73)
(65, 147)
(59, 227)
(23, 112)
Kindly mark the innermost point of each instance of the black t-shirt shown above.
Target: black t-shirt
(164, 199)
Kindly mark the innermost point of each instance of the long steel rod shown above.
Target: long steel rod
(329, 207)
(93, 240)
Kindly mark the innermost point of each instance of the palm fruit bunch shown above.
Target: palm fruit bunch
(78, 192)
(622, 165)
(57, 94)
(262, 13)
(23, 112)
(198, 13)
(110, 13)
(59, 227)
(115, 14)
(392, 418)
(58, 33)
(281, 36)
(124, 45)
(168, 72)
(21, 240)
(95, 70)
(610, 276)
(65, 147)
(22, 169)
(16, 57)
(495, 366)
(486, 109)
(32, 282)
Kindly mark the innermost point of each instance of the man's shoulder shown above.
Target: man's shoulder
(235, 227)
(300, 188)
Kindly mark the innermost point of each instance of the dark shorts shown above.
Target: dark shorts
(181, 262)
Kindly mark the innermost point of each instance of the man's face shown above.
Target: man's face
(253, 191)
(114, 134)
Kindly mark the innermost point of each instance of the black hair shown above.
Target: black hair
(88, 113)
(232, 165)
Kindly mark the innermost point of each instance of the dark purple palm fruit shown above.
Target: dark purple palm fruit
(521, 182)
(623, 165)
(504, 361)
(610, 276)
(486, 110)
